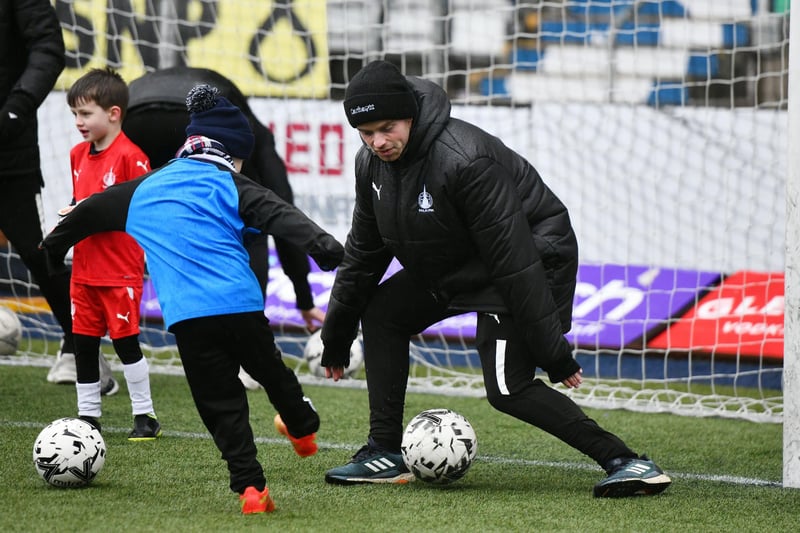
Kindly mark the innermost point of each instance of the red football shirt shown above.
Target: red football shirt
(110, 259)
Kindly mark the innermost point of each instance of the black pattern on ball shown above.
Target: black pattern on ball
(439, 446)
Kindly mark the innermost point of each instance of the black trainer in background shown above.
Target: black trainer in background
(145, 427)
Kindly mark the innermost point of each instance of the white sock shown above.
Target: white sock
(137, 376)
(88, 399)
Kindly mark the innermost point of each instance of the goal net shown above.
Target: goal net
(661, 124)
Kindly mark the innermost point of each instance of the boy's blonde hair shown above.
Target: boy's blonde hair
(103, 86)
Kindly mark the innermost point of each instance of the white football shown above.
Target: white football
(439, 446)
(69, 452)
(10, 331)
(312, 353)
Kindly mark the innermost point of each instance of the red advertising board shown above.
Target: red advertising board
(742, 316)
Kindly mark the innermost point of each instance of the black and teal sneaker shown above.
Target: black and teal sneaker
(371, 464)
(632, 476)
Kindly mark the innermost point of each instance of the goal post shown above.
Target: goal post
(663, 125)
(791, 357)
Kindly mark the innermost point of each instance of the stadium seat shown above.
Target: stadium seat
(657, 46)
(353, 26)
(411, 26)
(530, 87)
(479, 31)
(716, 10)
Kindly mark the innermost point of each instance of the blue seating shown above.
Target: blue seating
(666, 8)
(703, 65)
(494, 87)
(598, 8)
(667, 93)
(734, 35)
(526, 58)
(637, 34)
(663, 42)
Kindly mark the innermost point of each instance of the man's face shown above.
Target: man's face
(386, 138)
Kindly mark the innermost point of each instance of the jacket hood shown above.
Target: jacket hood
(433, 116)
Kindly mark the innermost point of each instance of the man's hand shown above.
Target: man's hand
(574, 381)
(16, 114)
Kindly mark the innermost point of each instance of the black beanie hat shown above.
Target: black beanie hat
(379, 91)
(215, 117)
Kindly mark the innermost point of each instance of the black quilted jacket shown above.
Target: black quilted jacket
(31, 59)
(471, 220)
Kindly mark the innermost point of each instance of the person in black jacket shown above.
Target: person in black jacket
(31, 59)
(476, 229)
(156, 120)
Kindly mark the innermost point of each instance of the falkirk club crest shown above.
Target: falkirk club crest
(425, 201)
(109, 178)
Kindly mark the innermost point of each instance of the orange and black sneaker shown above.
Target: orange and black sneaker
(254, 501)
(304, 446)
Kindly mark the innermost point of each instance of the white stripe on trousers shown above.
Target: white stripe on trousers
(500, 366)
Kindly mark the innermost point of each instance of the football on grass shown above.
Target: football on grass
(312, 353)
(10, 331)
(69, 452)
(439, 446)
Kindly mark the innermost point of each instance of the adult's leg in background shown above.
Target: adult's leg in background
(21, 222)
(258, 250)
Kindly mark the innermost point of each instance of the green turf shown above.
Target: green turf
(726, 473)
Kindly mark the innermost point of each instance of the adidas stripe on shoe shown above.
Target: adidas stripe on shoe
(253, 501)
(638, 476)
(304, 446)
(371, 465)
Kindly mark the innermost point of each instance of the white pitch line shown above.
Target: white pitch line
(734, 480)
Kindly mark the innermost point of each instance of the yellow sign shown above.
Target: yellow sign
(268, 48)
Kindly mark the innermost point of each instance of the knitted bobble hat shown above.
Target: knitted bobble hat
(213, 116)
(379, 91)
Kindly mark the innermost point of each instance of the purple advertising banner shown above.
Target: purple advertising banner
(614, 304)
(280, 306)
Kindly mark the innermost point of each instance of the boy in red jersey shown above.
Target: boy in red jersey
(107, 268)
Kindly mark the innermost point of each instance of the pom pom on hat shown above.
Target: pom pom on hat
(213, 116)
(379, 91)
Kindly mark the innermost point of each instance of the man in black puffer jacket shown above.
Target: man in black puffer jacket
(31, 59)
(476, 230)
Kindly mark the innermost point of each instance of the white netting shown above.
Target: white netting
(661, 124)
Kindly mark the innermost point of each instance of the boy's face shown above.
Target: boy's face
(97, 125)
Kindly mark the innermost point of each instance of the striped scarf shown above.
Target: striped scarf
(206, 149)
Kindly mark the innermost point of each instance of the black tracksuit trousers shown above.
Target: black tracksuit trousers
(400, 309)
(212, 349)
